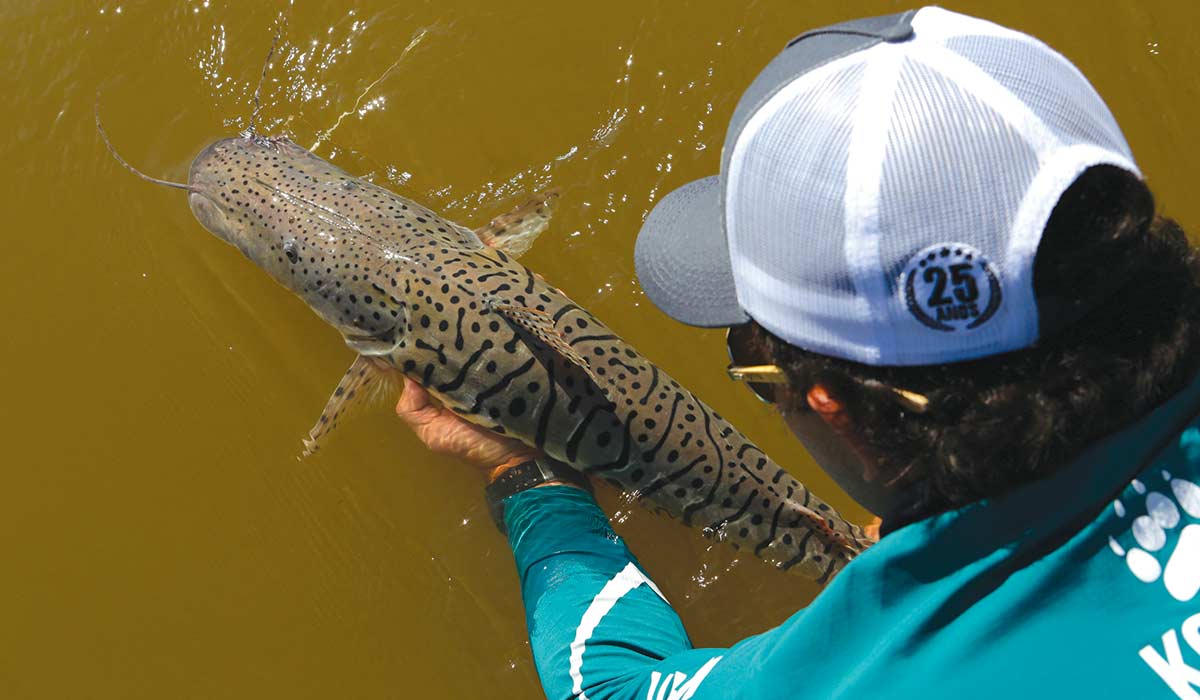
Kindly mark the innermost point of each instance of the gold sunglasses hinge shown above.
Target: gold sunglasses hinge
(762, 374)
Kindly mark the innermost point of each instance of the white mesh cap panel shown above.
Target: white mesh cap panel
(786, 238)
(1052, 88)
(886, 206)
(955, 170)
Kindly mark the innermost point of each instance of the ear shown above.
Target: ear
(829, 407)
(832, 410)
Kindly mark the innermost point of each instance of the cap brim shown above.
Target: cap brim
(682, 258)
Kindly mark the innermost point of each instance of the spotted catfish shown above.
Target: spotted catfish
(415, 294)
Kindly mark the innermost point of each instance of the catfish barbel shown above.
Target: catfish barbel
(415, 294)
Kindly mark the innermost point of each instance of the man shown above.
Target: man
(932, 232)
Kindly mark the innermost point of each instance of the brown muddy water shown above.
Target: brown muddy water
(160, 537)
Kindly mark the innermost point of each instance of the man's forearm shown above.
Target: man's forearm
(597, 624)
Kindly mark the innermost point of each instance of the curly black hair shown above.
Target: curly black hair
(1118, 293)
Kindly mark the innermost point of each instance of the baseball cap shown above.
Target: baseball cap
(883, 189)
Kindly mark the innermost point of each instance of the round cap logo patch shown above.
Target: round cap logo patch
(951, 287)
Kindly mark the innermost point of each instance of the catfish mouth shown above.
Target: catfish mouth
(211, 216)
(205, 207)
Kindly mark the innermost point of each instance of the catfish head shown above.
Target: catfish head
(364, 258)
(322, 233)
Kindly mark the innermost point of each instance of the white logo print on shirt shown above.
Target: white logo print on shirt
(1181, 572)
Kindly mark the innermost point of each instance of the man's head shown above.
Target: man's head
(923, 205)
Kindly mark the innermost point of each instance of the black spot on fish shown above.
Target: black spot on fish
(517, 406)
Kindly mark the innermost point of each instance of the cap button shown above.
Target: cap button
(902, 30)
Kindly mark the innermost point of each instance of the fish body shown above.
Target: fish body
(415, 294)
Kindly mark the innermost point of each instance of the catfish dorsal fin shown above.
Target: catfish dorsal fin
(516, 231)
(367, 382)
(540, 325)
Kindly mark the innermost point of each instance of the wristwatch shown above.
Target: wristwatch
(527, 475)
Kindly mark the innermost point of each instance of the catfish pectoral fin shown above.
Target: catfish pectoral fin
(540, 325)
(367, 382)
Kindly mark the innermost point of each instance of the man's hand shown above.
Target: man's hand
(445, 433)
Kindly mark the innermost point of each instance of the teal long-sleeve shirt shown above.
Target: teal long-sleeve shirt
(1081, 585)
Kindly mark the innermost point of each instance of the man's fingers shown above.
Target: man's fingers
(446, 433)
(414, 405)
(872, 528)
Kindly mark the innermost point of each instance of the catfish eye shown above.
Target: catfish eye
(289, 249)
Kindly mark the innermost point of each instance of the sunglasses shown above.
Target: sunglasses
(749, 362)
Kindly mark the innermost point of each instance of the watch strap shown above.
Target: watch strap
(527, 475)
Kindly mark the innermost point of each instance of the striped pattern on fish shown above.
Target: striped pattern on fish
(418, 295)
